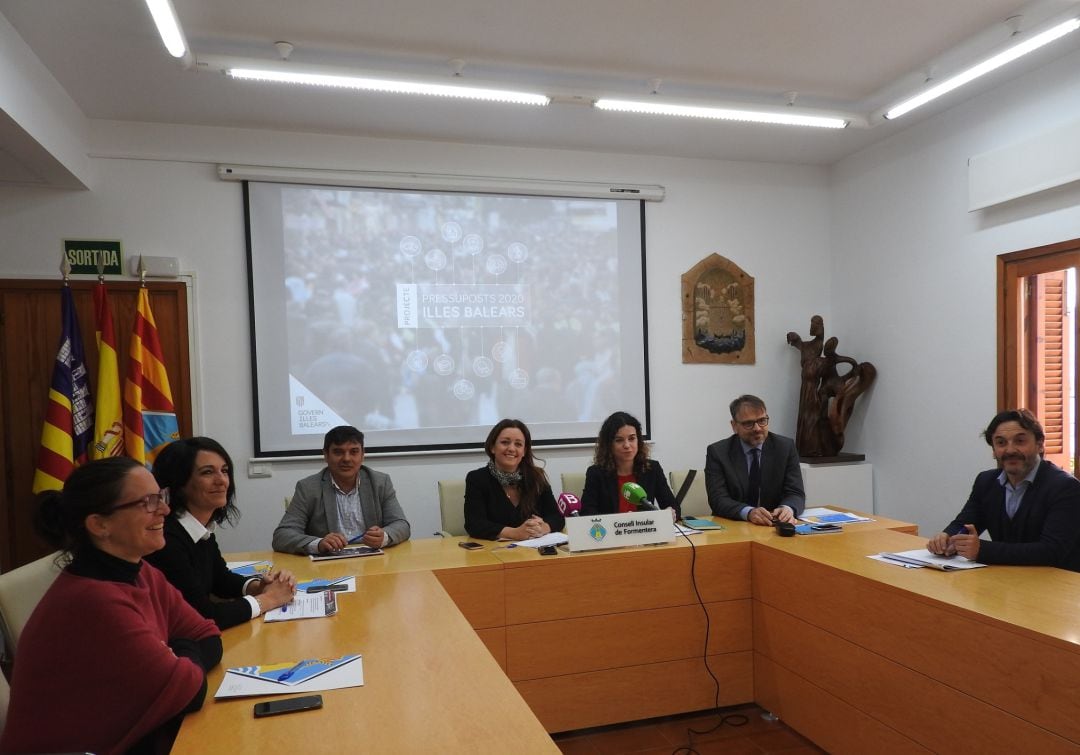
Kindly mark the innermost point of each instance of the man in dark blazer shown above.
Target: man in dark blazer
(1030, 506)
(344, 503)
(731, 468)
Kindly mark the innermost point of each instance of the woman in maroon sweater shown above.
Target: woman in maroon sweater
(112, 656)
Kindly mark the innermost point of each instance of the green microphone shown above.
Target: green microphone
(637, 496)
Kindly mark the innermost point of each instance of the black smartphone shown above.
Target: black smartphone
(826, 527)
(548, 550)
(291, 705)
(470, 546)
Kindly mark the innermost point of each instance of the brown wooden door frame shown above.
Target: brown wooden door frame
(1012, 270)
(29, 334)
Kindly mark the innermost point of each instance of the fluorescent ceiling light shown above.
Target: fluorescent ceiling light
(387, 85)
(168, 26)
(1006, 56)
(724, 114)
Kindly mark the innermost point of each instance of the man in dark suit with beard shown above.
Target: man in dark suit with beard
(754, 475)
(1030, 506)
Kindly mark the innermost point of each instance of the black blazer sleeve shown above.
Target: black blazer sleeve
(484, 518)
(549, 510)
(792, 493)
(724, 479)
(596, 497)
(197, 570)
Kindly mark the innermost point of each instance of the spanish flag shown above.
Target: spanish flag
(149, 416)
(108, 412)
(69, 414)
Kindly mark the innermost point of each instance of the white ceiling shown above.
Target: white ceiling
(854, 55)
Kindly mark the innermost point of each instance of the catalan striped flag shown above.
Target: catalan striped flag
(108, 409)
(149, 416)
(69, 414)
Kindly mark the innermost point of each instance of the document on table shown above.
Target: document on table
(551, 538)
(249, 568)
(305, 606)
(823, 515)
(309, 675)
(681, 530)
(920, 557)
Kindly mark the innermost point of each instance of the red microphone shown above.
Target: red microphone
(569, 504)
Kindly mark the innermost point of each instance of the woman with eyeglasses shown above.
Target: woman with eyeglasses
(112, 657)
(510, 498)
(620, 458)
(199, 475)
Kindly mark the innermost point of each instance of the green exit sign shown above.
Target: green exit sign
(83, 256)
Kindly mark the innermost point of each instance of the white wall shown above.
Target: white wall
(42, 117)
(914, 276)
(155, 188)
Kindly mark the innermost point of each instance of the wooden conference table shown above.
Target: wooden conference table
(850, 652)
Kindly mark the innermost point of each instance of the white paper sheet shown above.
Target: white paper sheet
(922, 557)
(348, 675)
(305, 606)
(551, 538)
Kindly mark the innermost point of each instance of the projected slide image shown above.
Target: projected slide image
(442, 313)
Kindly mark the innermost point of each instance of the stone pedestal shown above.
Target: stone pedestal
(849, 484)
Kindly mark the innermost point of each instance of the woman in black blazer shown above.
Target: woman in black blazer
(202, 495)
(510, 498)
(620, 457)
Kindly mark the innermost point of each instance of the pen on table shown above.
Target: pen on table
(292, 671)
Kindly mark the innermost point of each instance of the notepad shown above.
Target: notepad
(702, 524)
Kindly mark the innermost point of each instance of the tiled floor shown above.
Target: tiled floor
(662, 736)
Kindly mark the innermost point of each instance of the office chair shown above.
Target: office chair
(572, 482)
(452, 507)
(20, 591)
(696, 502)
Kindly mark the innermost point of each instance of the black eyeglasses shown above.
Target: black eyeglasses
(750, 423)
(151, 502)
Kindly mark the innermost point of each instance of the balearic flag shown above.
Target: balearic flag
(149, 416)
(69, 414)
(108, 408)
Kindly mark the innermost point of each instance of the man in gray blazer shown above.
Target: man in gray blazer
(754, 475)
(344, 503)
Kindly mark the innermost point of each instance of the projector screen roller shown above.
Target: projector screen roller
(423, 318)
